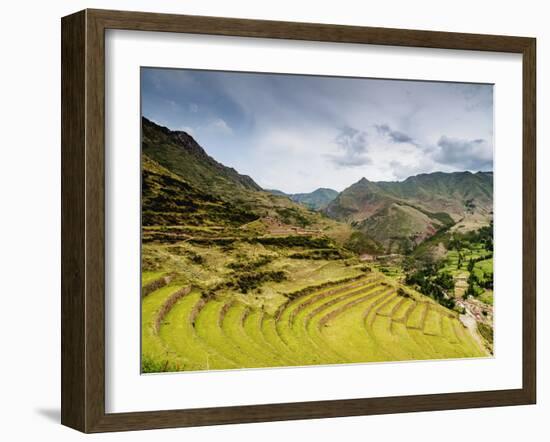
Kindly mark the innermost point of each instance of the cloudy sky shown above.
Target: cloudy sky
(296, 133)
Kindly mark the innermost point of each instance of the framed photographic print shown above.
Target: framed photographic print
(269, 220)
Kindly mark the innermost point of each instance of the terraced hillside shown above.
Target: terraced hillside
(368, 318)
(238, 277)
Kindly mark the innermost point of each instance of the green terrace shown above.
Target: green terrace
(366, 318)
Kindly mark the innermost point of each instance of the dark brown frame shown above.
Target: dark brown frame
(83, 215)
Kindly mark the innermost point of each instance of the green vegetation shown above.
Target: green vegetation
(246, 282)
(402, 215)
(487, 297)
(320, 254)
(149, 277)
(169, 200)
(394, 271)
(471, 257)
(443, 217)
(486, 332)
(360, 319)
(359, 242)
(294, 241)
(180, 153)
(234, 276)
(399, 227)
(293, 216)
(432, 282)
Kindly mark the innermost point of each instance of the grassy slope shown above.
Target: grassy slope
(180, 153)
(402, 214)
(364, 320)
(174, 210)
(400, 227)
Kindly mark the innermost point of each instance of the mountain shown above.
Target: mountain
(400, 215)
(316, 200)
(183, 186)
(186, 193)
(278, 192)
(169, 200)
(178, 152)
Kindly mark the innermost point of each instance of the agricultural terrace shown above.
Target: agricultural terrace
(364, 318)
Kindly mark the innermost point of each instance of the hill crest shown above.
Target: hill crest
(180, 153)
(401, 214)
(316, 200)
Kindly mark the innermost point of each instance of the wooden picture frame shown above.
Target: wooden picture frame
(83, 220)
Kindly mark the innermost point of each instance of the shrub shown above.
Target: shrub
(294, 241)
(195, 258)
(290, 215)
(250, 265)
(433, 283)
(486, 331)
(319, 254)
(249, 281)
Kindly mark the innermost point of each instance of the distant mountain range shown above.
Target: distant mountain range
(402, 214)
(182, 184)
(316, 200)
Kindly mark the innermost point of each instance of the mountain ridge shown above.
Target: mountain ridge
(315, 200)
(180, 153)
(183, 186)
(397, 215)
(401, 214)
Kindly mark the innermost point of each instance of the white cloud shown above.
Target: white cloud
(218, 125)
(352, 147)
(215, 127)
(297, 133)
(464, 154)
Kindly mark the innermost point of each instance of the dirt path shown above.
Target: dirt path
(471, 324)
